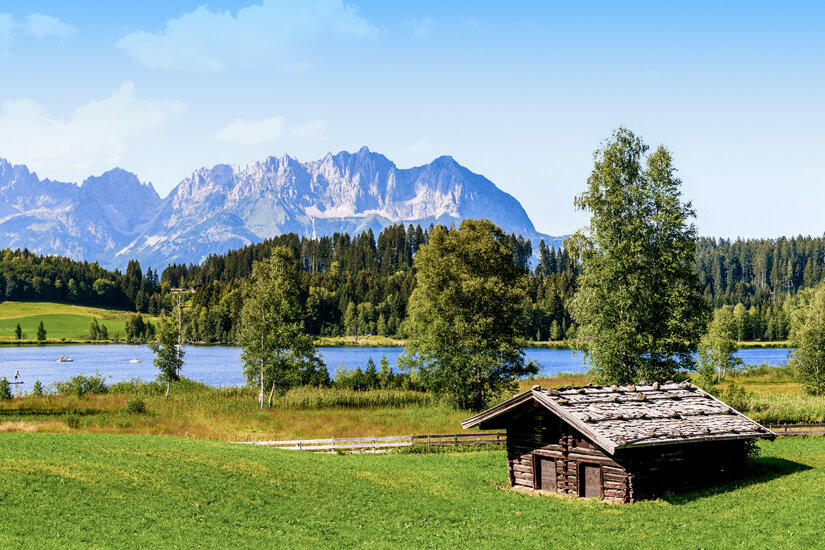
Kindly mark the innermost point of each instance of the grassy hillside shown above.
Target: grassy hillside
(136, 491)
(61, 320)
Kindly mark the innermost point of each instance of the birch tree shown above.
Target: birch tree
(639, 306)
(277, 352)
(808, 339)
(717, 349)
(168, 351)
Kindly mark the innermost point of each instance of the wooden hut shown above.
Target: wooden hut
(621, 443)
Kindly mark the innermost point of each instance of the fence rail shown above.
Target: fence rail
(797, 429)
(380, 444)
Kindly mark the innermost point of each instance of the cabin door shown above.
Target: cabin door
(590, 480)
(547, 473)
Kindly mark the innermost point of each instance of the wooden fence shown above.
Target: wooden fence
(382, 444)
(797, 429)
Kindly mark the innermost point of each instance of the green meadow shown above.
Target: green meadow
(62, 321)
(128, 491)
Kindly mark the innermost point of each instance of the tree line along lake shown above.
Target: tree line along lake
(221, 366)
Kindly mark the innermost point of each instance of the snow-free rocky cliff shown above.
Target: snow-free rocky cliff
(114, 217)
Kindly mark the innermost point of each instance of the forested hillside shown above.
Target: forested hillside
(357, 285)
(760, 277)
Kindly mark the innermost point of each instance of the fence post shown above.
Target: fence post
(428, 442)
(333, 444)
(373, 443)
(299, 444)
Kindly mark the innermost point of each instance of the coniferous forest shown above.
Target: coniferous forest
(359, 285)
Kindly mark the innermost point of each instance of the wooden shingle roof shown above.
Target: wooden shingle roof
(617, 417)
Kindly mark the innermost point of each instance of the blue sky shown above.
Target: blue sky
(522, 92)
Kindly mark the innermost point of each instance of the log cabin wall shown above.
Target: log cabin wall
(674, 468)
(652, 440)
(538, 443)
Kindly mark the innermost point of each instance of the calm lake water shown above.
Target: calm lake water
(221, 366)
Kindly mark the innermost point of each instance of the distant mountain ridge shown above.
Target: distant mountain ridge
(113, 218)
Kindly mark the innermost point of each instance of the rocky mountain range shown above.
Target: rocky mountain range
(113, 218)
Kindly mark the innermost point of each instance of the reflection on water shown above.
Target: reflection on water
(221, 366)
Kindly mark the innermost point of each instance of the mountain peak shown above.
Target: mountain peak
(113, 218)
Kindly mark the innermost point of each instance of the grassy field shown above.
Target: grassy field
(232, 414)
(91, 490)
(62, 321)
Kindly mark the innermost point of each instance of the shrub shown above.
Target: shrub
(371, 378)
(37, 389)
(5, 388)
(72, 420)
(80, 385)
(123, 422)
(737, 397)
(135, 406)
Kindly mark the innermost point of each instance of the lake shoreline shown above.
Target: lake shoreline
(326, 342)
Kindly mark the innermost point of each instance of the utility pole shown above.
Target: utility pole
(178, 294)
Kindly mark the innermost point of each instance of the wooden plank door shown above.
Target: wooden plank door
(547, 473)
(590, 480)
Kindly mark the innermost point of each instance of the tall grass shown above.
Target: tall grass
(320, 398)
(795, 408)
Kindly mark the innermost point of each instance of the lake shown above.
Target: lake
(221, 366)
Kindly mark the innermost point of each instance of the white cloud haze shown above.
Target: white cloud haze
(35, 24)
(251, 132)
(257, 35)
(6, 27)
(93, 137)
(40, 26)
(314, 129)
(422, 28)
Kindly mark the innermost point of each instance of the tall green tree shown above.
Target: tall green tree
(168, 351)
(18, 332)
(465, 325)
(717, 348)
(639, 306)
(808, 340)
(41, 332)
(277, 352)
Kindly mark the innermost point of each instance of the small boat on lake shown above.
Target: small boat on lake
(64, 359)
(136, 360)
